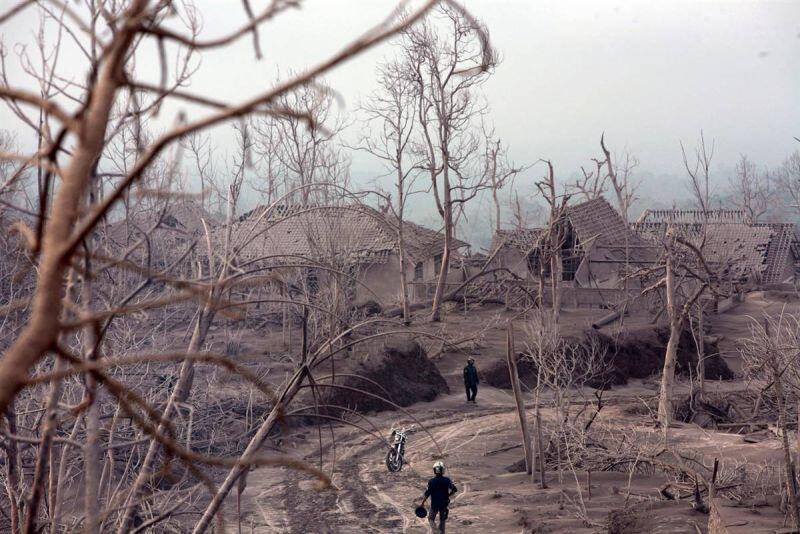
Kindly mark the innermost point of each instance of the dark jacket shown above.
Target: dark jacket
(440, 488)
(470, 375)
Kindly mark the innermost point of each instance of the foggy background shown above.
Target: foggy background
(649, 74)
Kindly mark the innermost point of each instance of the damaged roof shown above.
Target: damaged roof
(760, 248)
(182, 221)
(783, 247)
(600, 228)
(597, 226)
(693, 216)
(737, 248)
(522, 239)
(597, 220)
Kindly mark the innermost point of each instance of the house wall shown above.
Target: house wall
(788, 271)
(513, 260)
(383, 281)
(601, 275)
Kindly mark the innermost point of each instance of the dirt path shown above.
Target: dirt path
(367, 498)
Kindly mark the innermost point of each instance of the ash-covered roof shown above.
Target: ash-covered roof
(783, 245)
(599, 227)
(522, 239)
(181, 221)
(693, 216)
(740, 249)
(596, 220)
(321, 233)
(762, 248)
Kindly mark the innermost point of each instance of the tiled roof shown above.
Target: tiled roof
(596, 220)
(782, 246)
(795, 245)
(597, 226)
(358, 232)
(181, 221)
(600, 227)
(738, 248)
(522, 239)
(693, 216)
(761, 248)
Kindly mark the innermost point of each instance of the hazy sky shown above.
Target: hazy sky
(648, 73)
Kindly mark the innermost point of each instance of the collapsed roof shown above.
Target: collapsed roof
(737, 249)
(726, 239)
(598, 226)
(522, 239)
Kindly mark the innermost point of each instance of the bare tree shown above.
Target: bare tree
(202, 150)
(750, 190)
(563, 369)
(272, 179)
(498, 171)
(593, 183)
(620, 170)
(302, 143)
(788, 179)
(553, 239)
(392, 109)
(76, 366)
(770, 357)
(447, 66)
(684, 274)
(699, 172)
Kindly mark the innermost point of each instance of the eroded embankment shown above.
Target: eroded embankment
(631, 354)
(397, 370)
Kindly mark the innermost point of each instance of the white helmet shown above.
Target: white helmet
(438, 468)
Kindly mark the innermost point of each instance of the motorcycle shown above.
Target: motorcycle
(394, 457)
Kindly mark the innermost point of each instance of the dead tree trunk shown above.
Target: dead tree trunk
(555, 274)
(701, 349)
(515, 386)
(41, 332)
(401, 249)
(448, 236)
(16, 508)
(671, 356)
(540, 445)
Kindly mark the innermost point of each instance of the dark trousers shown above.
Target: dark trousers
(472, 390)
(442, 513)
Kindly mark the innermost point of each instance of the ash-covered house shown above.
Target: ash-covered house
(316, 244)
(179, 228)
(755, 254)
(597, 249)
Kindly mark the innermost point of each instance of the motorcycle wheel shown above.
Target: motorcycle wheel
(394, 462)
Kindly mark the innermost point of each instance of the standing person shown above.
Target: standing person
(440, 489)
(471, 380)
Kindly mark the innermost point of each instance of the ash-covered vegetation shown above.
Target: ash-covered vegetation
(210, 323)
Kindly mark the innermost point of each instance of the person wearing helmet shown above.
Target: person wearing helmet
(471, 380)
(440, 489)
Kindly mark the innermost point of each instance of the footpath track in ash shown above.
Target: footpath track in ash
(365, 497)
(368, 498)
